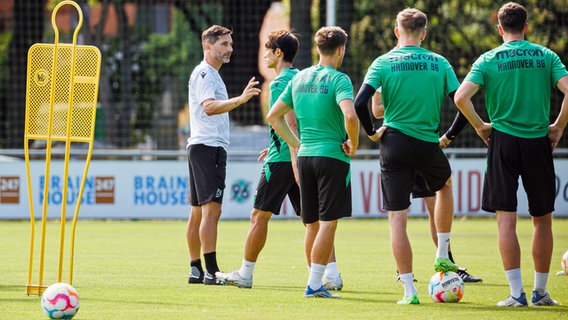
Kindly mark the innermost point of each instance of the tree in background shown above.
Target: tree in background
(306, 16)
(460, 30)
(28, 29)
(141, 67)
(301, 23)
(4, 72)
(245, 18)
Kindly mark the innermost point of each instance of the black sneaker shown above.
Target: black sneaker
(195, 276)
(398, 277)
(210, 279)
(466, 277)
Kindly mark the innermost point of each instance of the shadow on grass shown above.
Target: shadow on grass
(14, 288)
(487, 284)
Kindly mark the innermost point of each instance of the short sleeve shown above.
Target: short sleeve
(204, 86)
(373, 76)
(343, 89)
(558, 68)
(286, 95)
(475, 75)
(452, 83)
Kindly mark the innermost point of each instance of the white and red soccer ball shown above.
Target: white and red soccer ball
(564, 262)
(446, 287)
(60, 301)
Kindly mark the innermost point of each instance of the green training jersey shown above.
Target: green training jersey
(518, 77)
(278, 150)
(314, 94)
(414, 82)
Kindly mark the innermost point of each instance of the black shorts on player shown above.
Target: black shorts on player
(420, 189)
(325, 188)
(207, 172)
(510, 157)
(276, 181)
(402, 157)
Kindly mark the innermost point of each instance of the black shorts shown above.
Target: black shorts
(325, 188)
(207, 173)
(510, 157)
(420, 189)
(402, 158)
(276, 181)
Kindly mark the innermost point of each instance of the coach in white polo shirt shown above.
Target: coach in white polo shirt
(209, 105)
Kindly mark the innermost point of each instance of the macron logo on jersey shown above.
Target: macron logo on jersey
(203, 74)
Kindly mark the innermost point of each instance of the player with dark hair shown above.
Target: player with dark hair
(209, 105)
(322, 99)
(414, 82)
(278, 174)
(517, 77)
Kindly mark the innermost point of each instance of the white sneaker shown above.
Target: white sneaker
(545, 300)
(561, 273)
(514, 302)
(234, 279)
(333, 284)
(319, 293)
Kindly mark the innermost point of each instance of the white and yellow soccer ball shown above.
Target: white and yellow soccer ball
(60, 301)
(446, 287)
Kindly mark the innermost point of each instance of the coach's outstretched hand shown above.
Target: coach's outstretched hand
(250, 91)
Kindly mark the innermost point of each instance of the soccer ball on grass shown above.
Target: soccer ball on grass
(564, 262)
(446, 287)
(60, 301)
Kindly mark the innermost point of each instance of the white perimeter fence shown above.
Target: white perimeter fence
(137, 184)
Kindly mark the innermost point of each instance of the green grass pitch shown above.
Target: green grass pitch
(138, 270)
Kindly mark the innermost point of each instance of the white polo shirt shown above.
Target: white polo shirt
(206, 83)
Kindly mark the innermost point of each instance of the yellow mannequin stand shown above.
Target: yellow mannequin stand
(61, 100)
